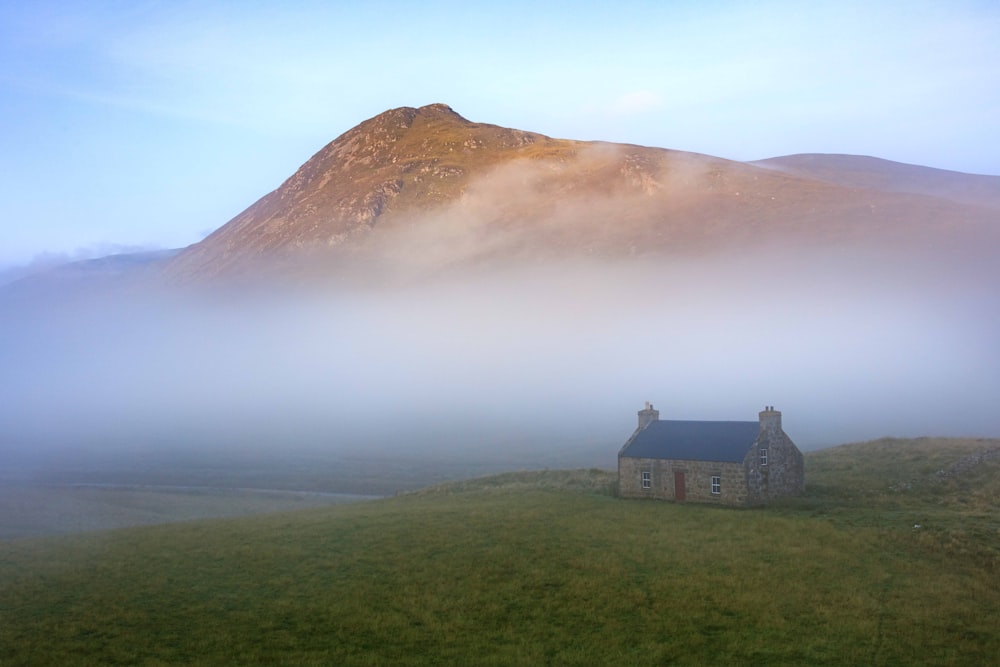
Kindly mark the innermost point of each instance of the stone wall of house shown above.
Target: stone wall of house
(697, 480)
(784, 473)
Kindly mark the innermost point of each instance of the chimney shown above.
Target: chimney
(648, 415)
(770, 421)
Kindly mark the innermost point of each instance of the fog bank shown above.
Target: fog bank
(544, 364)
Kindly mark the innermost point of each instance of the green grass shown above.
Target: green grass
(540, 568)
(894, 485)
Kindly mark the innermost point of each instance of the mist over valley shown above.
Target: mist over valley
(540, 366)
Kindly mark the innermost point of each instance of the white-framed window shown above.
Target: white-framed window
(763, 457)
(716, 484)
(647, 479)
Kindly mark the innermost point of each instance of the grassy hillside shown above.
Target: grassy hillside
(543, 568)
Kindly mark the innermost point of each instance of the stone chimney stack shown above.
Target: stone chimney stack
(648, 415)
(770, 421)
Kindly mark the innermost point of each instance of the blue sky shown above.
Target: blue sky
(133, 124)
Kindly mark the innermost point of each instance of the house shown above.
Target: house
(724, 462)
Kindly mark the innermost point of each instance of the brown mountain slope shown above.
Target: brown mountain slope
(425, 188)
(405, 160)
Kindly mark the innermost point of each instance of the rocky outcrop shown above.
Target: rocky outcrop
(966, 464)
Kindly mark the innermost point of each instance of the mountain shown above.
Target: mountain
(420, 189)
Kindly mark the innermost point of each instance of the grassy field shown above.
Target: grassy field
(543, 568)
(118, 490)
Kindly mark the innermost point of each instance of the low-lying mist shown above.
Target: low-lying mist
(536, 366)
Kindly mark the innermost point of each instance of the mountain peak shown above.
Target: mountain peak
(405, 159)
(402, 118)
(441, 109)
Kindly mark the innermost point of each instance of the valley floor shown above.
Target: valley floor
(891, 558)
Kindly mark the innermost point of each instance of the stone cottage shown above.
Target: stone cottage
(724, 462)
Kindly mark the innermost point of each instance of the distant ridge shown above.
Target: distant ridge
(99, 275)
(418, 189)
(860, 171)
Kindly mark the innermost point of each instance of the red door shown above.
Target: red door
(678, 485)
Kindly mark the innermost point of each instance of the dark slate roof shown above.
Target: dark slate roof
(693, 441)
